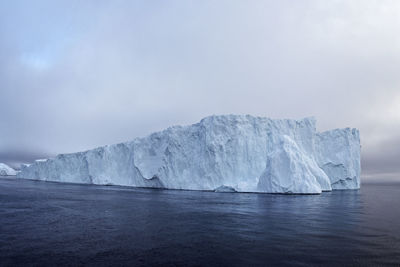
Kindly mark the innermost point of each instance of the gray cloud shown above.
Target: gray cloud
(75, 75)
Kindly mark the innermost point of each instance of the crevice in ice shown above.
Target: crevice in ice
(154, 177)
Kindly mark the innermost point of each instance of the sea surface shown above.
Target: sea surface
(55, 224)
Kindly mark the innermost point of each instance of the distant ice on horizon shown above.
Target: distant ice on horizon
(6, 170)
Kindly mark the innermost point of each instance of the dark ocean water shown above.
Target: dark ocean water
(50, 224)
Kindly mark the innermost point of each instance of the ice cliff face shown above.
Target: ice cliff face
(245, 153)
(6, 170)
(335, 146)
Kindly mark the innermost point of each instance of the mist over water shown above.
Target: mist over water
(48, 224)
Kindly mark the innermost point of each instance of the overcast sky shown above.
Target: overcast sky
(79, 74)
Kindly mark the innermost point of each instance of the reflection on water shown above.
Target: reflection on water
(47, 223)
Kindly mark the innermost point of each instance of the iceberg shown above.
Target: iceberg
(6, 170)
(240, 152)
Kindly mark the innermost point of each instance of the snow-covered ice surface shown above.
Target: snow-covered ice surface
(6, 170)
(245, 153)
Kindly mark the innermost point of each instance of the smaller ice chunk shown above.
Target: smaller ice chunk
(6, 170)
